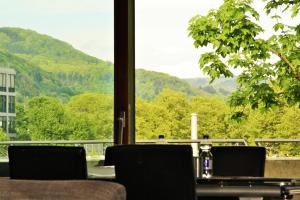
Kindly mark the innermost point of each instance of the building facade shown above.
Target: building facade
(7, 101)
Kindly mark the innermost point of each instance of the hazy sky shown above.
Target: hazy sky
(162, 42)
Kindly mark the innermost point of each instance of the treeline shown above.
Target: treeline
(85, 117)
(90, 116)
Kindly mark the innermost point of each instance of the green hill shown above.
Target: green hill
(222, 86)
(47, 66)
(31, 80)
(49, 53)
(149, 84)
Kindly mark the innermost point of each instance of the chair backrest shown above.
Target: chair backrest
(47, 162)
(154, 172)
(238, 160)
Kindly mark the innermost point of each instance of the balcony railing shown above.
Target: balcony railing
(95, 149)
(198, 141)
(260, 142)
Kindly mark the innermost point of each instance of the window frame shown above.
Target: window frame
(124, 71)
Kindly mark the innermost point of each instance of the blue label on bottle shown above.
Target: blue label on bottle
(207, 164)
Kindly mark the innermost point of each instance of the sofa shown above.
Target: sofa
(11, 189)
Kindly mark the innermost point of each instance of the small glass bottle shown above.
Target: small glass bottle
(206, 160)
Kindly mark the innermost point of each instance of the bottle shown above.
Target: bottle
(206, 159)
(161, 139)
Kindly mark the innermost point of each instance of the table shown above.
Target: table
(101, 172)
(283, 188)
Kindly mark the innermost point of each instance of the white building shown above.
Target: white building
(7, 100)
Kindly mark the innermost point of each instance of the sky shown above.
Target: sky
(162, 42)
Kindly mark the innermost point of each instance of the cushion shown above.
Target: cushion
(60, 190)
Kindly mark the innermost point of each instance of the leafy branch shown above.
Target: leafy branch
(289, 64)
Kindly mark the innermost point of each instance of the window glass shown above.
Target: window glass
(180, 43)
(11, 104)
(11, 83)
(3, 103)
(58, 59)
(3, 121)
(2, 82)
(12, 125)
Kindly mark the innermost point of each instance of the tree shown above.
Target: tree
(46, 119)
(3, 135)
(234, 35)
(96, 110)
(177, 107)
(22, 131)
(79, 127)
(152, 120)
(212, 113)
(3, 148)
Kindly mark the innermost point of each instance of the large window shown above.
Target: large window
(63, 54)
(182, 46)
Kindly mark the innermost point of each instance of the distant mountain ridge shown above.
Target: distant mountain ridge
(149, 84)
(48, 66)
(222, 86)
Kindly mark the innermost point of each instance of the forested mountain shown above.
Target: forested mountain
(47, 66)
(222, 86)
(149, 84)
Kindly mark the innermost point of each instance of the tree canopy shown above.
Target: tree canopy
(234, 33)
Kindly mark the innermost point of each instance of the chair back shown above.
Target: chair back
(154, 172)
(47, 162)
(238, 160)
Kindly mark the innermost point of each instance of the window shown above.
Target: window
(3, 103)
(12, 125)
(63, 54)
(11, 83)
(170, 86)
(2, 82)
(3, 123)
(11, 104)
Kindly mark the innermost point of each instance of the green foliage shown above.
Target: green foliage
(234, 34)
(94, 112)
(79, 127)
(85, 117)
(22, 123)
(46, 66)
(42, 48)
(177, 107)
(169, 114)
(285, 4)
(81, 106)
(45, 119)
(149, 118)
(3, 148)
(212, 112)
(149, 84)
(3, 136)
(90, 116)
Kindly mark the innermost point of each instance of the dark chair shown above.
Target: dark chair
(47, 162)
(237, 161)
(154, 172)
